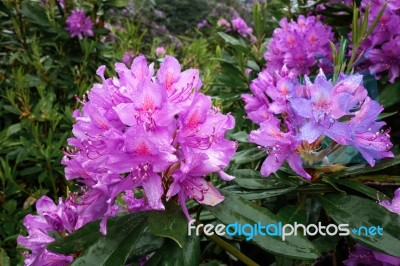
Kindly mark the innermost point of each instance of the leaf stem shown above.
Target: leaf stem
(229, 248)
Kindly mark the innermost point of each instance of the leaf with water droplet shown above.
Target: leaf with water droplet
(356, 212)
(170, 223)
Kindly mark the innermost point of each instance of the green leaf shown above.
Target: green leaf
(170, 223)
(236, 209)
(378, 179)
(117, 245)
(358, 186)
(251, 179)
(259, 194)
(253, 65)
(390, 95)
(249, 155)
(10, 206)
(36, 15)
(326, 243)
(385, 115)
(231, 40)
(127, 234)
(292, 213)
(362, 168)
(240, 136)
(357, 212)
(4, 259)
(171, 254)
(13, 129)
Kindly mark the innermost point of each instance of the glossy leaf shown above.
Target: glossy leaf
(126, 235)
(236, 43)
(248, 155)
(292, 214)
(117, 245)
(171, 254)
(326, 243)
(390, 95)
(252, 179)
(259, 194)
(236, 209)
(360, 187)
(357, 211)
(170, 223)
(362, 168)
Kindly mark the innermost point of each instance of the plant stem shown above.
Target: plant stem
(231, 249)
(228, 247)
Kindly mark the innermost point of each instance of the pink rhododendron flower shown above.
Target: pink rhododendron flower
(160, 51)
(223, 23)
(239, 25)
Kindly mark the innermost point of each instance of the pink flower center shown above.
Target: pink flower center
(148, 103)
(193, 121)
(142, 149)
(169, 80)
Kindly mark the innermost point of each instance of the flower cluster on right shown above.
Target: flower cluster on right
(296, 118)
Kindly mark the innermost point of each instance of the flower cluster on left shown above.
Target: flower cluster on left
(144, 137)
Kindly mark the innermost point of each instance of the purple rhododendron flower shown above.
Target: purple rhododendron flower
(142, 131)
(51, 218)
(300, 45)
(366, 256)
(394, 205)
(202, 24)
(240, 26)
(295, 119)
(382, 47)
(79, 25)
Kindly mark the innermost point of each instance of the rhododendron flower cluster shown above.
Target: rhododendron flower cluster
(79, 25)
(365, 256)
(153, 132)
(144, 136)
(382, 47)
(202, 24)
(295, 119)
(240, 26)
(51, 218)
(300, 46)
